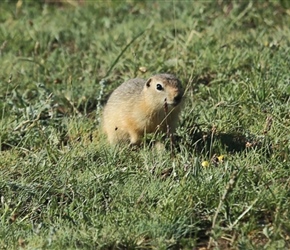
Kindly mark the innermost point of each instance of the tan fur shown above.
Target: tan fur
(137, 107)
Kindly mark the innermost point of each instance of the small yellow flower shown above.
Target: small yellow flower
(221, 158)
(205, 164)
(143, 69)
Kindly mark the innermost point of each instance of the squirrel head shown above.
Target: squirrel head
(165, 90)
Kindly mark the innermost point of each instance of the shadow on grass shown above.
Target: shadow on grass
(211, 142)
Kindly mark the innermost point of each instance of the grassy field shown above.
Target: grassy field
(225, 185)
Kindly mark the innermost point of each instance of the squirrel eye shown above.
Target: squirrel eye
(159, 86)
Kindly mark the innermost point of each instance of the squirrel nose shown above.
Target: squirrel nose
(177, 98)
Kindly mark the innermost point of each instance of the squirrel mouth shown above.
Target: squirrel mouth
(176, 100)
(172, 104)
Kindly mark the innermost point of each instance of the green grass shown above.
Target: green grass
(62, 187)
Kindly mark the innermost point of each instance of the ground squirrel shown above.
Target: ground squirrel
(138, 106)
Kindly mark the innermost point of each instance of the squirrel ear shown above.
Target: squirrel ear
(148, 82)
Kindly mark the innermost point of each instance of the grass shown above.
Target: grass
(62, 187)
